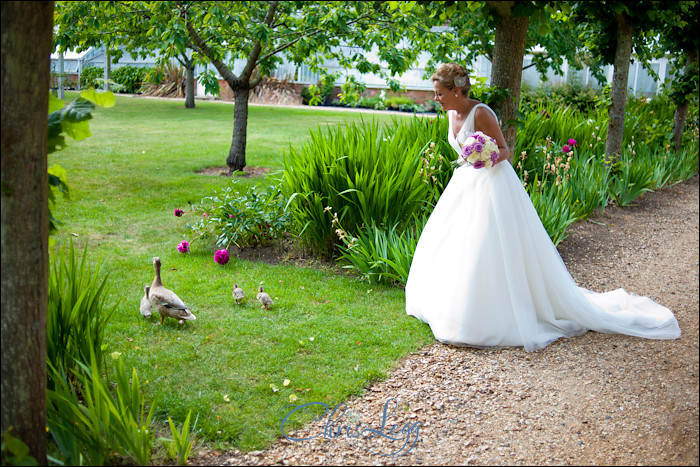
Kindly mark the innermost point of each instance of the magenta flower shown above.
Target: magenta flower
(183, 247)
(179, 212)
(478, 147)
(572, 142)
(221, 256)
(494, 157)
(566, 148)
(204, 215)
(479, 164)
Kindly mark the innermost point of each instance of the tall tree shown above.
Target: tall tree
(140, 27)
(508, 55)
(680, 39)
(260, 33)
(614, 31)
(503, 32)
(26, 48)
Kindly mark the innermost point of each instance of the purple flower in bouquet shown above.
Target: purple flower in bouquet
(183, 247)
(572, 142)
(480, 151)
(221, 256)
(179, 212)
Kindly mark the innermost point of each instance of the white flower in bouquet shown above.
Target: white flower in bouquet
(479, 150)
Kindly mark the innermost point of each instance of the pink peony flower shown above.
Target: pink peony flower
(183, 247)
(221, 256)
(566, 148)
(179, 212)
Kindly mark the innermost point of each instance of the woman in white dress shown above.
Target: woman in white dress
(485, 272)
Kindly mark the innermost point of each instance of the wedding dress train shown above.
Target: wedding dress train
(486, 274)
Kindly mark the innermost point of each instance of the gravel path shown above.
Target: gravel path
(593, 399)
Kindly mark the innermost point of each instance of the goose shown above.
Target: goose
(238, 294)
(264, 298)
(146, 308)
(164, 301)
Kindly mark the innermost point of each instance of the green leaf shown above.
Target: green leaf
(16, 447)
(78, 130)
(103, 99)
(54, 103)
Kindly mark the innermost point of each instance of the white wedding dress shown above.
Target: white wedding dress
(486, 274)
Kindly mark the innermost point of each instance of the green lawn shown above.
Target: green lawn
(329, 333)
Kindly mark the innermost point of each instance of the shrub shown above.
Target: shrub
(93, 424)
(581, 98)
(395, 102)
(131, 77)
(325, 89)
(630, 178)
(489, 95)
(251, 219)
(77, 312)
(364, 172)
(165, 80)
(90, 77)
(382, 255)
(374, 102)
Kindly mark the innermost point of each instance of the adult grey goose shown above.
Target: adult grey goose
(165, 301)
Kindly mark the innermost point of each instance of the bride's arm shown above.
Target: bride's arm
(486, 122)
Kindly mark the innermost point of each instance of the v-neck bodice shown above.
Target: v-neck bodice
(467, 127)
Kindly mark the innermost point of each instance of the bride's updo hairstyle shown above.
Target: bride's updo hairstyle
(452, 75)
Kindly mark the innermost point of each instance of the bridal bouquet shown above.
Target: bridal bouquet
(479, 150)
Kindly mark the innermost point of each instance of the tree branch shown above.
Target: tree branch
(309, 32)
(233, 81)
(257, 48)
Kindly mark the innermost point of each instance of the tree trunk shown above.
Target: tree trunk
(681, 114)
(26, 47)
(236, 155)
(507, 65)
(108, 70)
(240, 85)
(189, 85)
(61, 74)
(618, 91)
(679, 119)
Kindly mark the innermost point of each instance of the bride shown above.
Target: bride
(485, 272)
